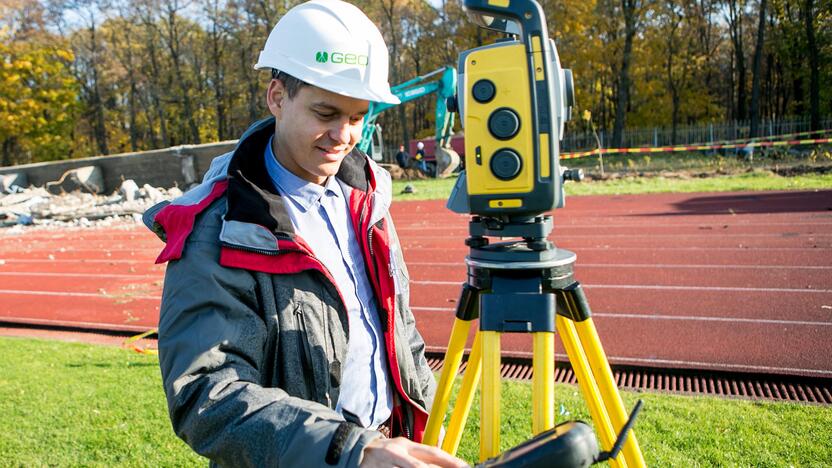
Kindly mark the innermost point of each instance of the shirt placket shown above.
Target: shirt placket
(342, 238)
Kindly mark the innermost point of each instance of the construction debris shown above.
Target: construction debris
(13, 182)
(34, 207)
(86, 179)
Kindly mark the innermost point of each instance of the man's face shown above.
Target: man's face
(315, 130)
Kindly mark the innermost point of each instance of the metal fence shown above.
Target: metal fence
(583, 140)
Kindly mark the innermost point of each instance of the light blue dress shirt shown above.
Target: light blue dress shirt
(320, 216)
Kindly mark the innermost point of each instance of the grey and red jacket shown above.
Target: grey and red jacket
(253, 330)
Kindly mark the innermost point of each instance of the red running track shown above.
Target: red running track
(738, 282)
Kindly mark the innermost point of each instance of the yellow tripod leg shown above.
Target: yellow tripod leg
(589, 388)
(490, 397)
(464, 399)
(453, 358)
(600, 368)
(543, 382)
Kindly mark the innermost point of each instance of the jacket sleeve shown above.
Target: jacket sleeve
(211, 344)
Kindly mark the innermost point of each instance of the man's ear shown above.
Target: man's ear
(274, 97)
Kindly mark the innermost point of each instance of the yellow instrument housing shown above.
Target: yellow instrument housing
(507, 68)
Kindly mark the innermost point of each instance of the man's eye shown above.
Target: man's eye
(356, 119)
(325, 116)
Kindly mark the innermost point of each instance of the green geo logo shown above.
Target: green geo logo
(341, 58)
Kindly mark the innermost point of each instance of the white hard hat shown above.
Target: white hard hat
(332, 45)
(420, 145)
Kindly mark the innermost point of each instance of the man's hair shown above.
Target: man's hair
(291, 83)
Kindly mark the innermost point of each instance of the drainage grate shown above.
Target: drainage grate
(749, 386)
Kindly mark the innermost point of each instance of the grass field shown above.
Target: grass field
(71, 404)
(674, 172)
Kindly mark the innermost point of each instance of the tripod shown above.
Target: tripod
(524, 286)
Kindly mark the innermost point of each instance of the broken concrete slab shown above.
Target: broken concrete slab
(8, 182)
(129, 190)
(88, 179)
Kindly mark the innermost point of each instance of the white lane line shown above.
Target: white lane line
(79, 275)
(691, 318)
(85, 249)
(708, 235)
(461, 248)
(76, 294)
(713, 226)
(658, 287)
(74, 261)
(704, 288)
(652, 265)
(713, 319)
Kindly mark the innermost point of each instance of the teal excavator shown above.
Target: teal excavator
(447, 160)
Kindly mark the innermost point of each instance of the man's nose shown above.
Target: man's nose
(341, 132)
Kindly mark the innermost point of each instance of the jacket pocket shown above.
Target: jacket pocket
(305, 352)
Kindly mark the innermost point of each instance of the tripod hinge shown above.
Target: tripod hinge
(572, 303)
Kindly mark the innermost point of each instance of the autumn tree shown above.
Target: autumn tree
(37, 98)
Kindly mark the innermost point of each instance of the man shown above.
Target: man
(402, 158)
(285, 336)
(420, 157)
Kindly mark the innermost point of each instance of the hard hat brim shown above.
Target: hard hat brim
(364, 93)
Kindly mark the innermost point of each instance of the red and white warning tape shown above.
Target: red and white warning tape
(671, 149)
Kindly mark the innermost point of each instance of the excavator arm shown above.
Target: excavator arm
(444, 88)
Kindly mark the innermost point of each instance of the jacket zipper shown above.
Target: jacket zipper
(371, 260)
(303, 351)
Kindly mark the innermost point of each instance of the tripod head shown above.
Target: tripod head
(514, 99)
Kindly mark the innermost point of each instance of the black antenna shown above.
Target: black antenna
(622, 436)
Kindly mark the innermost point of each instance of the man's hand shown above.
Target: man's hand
(404, 453)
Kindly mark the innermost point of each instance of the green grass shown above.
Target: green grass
(674, 172)
(676, 430)
(70, 404)
(755, 180)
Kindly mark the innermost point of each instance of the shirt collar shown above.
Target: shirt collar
(304, 193)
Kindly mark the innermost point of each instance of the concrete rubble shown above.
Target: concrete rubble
(22, 209)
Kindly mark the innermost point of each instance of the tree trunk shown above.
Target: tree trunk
(154, 88)
(388, 7)
(623, 98)
(217, 50)
(756, 69)
(174, 39)
(814, 64)
(7, 151)
(735, 23)
(99, 127)
(131, 97)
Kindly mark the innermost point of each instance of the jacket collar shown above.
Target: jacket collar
(252, 197)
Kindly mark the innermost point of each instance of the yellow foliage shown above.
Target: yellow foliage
(38, 95)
